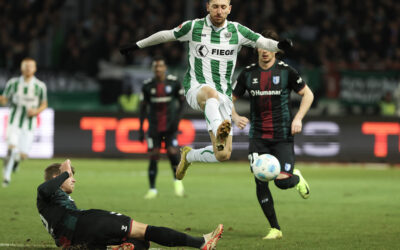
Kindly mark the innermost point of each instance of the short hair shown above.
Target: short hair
(158, 58)
(54, 170)
(208, 1)
(28, 59)
(270, 34)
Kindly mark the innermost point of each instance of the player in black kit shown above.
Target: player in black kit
(97, 229)
(272, 126)
(162, 102)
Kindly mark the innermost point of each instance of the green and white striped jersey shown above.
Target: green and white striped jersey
(23, 96)
(213, 52)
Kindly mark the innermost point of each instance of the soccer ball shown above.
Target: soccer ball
(265, 167)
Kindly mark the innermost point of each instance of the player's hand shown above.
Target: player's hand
(32, 112)
(141, 135)
(128, 48)
(285, 44)
(240, 121)
(66, 167)
(297, 126)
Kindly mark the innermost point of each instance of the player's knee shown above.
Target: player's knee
(223, 156)
(283, 183)
(172, 151)
(154, 155)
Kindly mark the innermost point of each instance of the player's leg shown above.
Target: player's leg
(266, 202)
(168, 237)
(153, 144)
(13, 134)
(173, 155)
(284, 152)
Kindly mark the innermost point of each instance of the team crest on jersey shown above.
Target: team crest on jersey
(153, 91)
(276, 79)
(228, 35)
(168, 89)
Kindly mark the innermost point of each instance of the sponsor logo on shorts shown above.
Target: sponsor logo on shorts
(124, 228)
(287, 167)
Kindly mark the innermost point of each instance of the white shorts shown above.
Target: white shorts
(225, 103)
(22, 139)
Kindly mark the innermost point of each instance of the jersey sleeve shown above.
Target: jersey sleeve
(48, 188)
(8, 90)
(295, 81)
(247, 37)
(240, 85)
(183, 32)
(144, 96)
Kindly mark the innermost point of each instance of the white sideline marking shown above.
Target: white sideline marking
(41, 246)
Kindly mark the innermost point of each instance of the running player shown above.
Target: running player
(27, 96)
(96, 229)
(162, 102)
(272, 127)
(214, 43)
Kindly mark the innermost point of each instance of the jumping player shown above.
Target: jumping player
(162, 102)
(214, 43)
(272, 127)
(97, 229)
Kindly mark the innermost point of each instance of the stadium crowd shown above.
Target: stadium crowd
(326, 32)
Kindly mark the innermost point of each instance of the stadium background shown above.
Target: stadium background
(347, 51)
(351, 62)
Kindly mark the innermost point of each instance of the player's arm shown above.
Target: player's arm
(3, 100)
(238, 91)
(180, 33)
(252, 39)
(305, 104)
(35, 112)
(48, 188)
(240, 121)
(142, 115)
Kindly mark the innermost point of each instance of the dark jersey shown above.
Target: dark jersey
(57, 210)
(270, 107)
(164, 100)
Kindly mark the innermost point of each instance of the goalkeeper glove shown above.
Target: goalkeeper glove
(285, 44)
(127, 48)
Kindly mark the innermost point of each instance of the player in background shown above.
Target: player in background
(162, 102)
(214, 43)
(27, 97)
(272, 126)
(96, 229)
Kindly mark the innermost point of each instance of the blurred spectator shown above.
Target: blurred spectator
(349, 34)
(387, 105)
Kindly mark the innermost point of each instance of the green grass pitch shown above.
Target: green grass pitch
(349, 207)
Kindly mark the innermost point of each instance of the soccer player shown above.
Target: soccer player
(96, 229)
(272, 127)
(27, 96)
(162, 102)
(214, 43)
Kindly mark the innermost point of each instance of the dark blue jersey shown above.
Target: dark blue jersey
(269, 91)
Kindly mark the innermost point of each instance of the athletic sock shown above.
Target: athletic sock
(15, 166)
(201, 155)
(266, 201)
(174, 161)
(171, 238)
(153, 173)
(10, 164)
(213, 116)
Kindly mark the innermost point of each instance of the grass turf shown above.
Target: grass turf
(349, 207)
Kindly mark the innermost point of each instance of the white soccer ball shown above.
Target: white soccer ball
(265, 167)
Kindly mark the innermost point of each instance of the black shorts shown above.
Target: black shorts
(283, 151)
(154, 140)
(96, 229)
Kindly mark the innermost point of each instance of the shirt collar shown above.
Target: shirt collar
(31, 81)
(209, 23)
